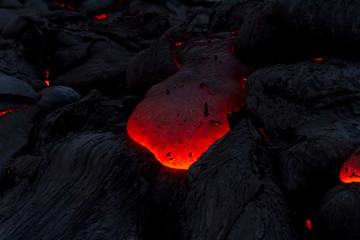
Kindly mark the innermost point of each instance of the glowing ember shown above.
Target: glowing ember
(317, 59)
(9, 110)
(102, 16)
(178, 44)
(308, 224)
(63, 5)
(47, 83)
(182, 116)
(350, 171)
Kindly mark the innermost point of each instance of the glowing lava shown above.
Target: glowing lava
(350, 171)
(102, 16)
(182, 116)
(317, 59)
(308, 224)
(64, 5)
(9, 110)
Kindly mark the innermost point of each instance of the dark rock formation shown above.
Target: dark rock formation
(69, 170)
(310, 112)
(338, 213)
(232, 192)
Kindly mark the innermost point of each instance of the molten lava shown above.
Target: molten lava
(308, 224)
(350, 171)
(317, 59)
(64, 5)
(9, 110)
(102, 16)
(182, 116)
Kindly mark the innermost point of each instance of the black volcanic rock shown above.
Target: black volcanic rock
(232, 192)
(284, 30)
(310, 112)
(339, 214)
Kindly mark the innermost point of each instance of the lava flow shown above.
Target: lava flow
(350, 171)
(64, 5)
(9, 110)
(182, 116)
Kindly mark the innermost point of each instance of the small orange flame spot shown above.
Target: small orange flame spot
(102, 16)
(263, 133)
(63, 5)
(317, 59)
(308, 224)
(178, 44)
(47, 83)
(9, 110)
(244, 79)
(47, 74)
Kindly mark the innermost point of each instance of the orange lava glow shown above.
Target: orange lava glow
(181, 117)
(178, 44)
(317, 59)
(102, 16)
(350, 171)
(64, 5)
(47, 83)
(308, 224)
(9, 110)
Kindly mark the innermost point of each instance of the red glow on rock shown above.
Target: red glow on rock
(47, 74)
(9, 110)
(102, 16)
(263, 133)
(175, 61)
(317, 59)
(178, 44)
(350, 171)
(232, 48)
(64, 5)
(118, 5)
(181, 117)
(8, 172)
(236, 31)
(308, 224)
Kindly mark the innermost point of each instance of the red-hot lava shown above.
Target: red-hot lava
(102, 16)
(9, 110)
(64, 5)
(308, 224)
(350, 171)
(182, 116)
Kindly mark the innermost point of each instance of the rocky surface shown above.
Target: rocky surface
(69, 170)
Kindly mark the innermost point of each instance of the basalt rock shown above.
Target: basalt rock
(338, 216)
(233, 194)
(283, 30)
(310, 113)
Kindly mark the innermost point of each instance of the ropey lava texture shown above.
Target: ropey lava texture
(183, 115)
(72, 72)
